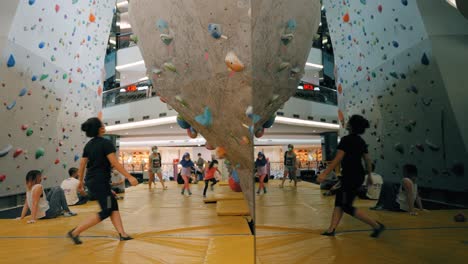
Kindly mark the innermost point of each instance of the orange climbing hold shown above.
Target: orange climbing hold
(99, 91)
(233, 62)
(340, 116)
(220, 152)
(346, 17)
(92, 18)
(340, 88)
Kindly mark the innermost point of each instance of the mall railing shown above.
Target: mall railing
(127, 94)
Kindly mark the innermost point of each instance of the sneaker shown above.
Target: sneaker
(182, 192)
(326, 233)
(69, 214)
(189, 193)
(75, 239)
(125, 238)
(376, 233)
(377, 208)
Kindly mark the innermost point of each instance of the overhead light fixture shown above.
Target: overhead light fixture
(316, 89)
(301, 122)
(452, 3)
(123, 90)
(324, 41)
(125, 25)
(129, 65)
(318, 66)
(117, 23)
(144, 123)
(142, 88)
(111, 41)
(300, 87)
(143, 79)
(122, 4)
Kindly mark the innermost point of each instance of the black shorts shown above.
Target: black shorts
(345, 197)
(105, 198)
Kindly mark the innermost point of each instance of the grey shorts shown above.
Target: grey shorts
(156, 170)
(291, 172)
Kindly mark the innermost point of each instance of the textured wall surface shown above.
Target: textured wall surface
(386, 72)
(51, 75)
(221, 60)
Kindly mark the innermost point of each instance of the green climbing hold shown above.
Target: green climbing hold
(43, 77)
(40, 152)
(170, 67)
(29, 132)
(64, 76)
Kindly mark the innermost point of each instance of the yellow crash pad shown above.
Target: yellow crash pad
(224, 196)
(232, 207)
(230, 249)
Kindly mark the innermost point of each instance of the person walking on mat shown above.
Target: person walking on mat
(351, 150)
(98, 158)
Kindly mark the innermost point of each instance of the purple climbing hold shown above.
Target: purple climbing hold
(11, 61)
(425, 59)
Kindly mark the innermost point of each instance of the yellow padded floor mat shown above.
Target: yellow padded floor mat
(232, 207)
(167, 227)
(290, 220)
(224, 196)
(230, 250)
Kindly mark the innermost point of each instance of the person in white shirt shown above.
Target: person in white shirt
(117, 182)
(401, 198)
(371, 191)
(70, 188)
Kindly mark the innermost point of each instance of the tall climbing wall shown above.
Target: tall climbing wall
(225, 65)
(51, 74)
(386, 71)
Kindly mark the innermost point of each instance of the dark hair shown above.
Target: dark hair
(358, 124)
(213, 162)
(72, 171)
(91, 127)
(32, 176)
(373, 167)
(199, 154)
(411, 170)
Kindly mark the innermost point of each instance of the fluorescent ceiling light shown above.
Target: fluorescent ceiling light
(111, 41)
(143, 79)
(314, 65)
(123, 90)
(117, 23)
(144, 123)
(129, 65)
(142, 88)
(301, 122)
(452, 3)
(125, 25)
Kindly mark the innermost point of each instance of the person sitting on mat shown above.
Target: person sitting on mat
(371, 192)
(351, 150)
(98, 158)
(395, 197)
(70, 188)
(210, 175)
(43, 206)
(117, 182)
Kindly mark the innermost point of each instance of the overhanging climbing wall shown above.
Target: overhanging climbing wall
(385, 71)
(51, 75)
(225, 65)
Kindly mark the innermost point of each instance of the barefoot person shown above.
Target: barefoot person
(155, 165)
(98, 158)
(351, 150)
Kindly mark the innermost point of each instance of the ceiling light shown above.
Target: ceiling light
(309, 123)
(314, 65)
(143, 79)
(122, 4)
(452, 3)
(300, 87)
(144, 123)
(123, 90)
(111, 41)
(124, 25)
(142, 88)
(129, 65)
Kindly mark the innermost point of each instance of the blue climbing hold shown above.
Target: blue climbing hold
(11, 61)
(10, 106)
(77, 157)
(425, 59)
(162, 24)
(182, 123)
(363, 2)
(269, 123)
(31, 2)
(215, 30)
(41, 44)
(404, 2)
(395, 44)
(291, 24)
(34, 78)
(23, 92)
(205, 119)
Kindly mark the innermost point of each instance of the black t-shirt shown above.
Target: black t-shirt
(98, 168)
(351, 166)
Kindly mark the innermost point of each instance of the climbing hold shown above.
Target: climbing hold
(2, 177)
(291, 25)
(57, 8)
(29, 132)
(31, 2)
(420, 147)
(156, 71)
(259, 133)
(460, 218)
(34, 78)
(294, 72)
(17, 152)
(269, 123)
(340, 89)
(11, 61)
(209, 146)
(40, 152)
(41, 44)
(162, 25)
(395, 44)
(166, 39)
(191, 132)
(215, 30)
(170, 67)
(346, 17)
(245, 140)
(43, 77)
(11, 105)
(220, 152)
(57, 161)
(180, 100)
(92, 18)
(283, 65)
(404, 2)
(77, 157)
(205, 119)
(233, 62)
(182, 123)
(432, 146)
(399, 147)
(425, 59)
(23, 92)
(286, 38)
(4, 151)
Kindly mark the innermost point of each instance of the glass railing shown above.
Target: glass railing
(127, 94)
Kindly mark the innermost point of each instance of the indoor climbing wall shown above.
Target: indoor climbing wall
(51, 76)
(385, 71)
(206, 60)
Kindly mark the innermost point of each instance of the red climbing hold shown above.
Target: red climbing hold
(346, 18)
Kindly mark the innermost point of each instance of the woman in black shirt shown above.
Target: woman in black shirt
(351, 150)
(98, 158)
